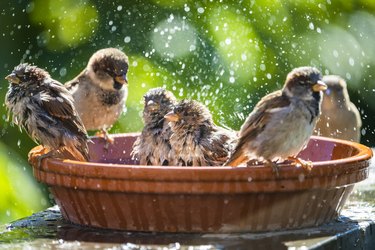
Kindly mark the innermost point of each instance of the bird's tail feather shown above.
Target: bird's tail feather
(236, 159)
(74, 153)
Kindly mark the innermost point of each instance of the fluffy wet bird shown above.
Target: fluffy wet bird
(152, 146)
(340, 117)
(282, 122)
(100, 90)
(44, 108)
(195, 139)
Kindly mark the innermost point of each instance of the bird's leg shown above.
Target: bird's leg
(43, 156)
(35, 153)
(273, 165)
(298, 162)
(103, 133)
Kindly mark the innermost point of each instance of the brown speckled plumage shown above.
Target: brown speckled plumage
(152, 147)
(340, 117)
(282, 122)
(100, 90)
(195, 139)
(44, 109)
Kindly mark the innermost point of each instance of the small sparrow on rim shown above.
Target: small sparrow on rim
(44, 108)
(195, 139)
(340, 118)
(100, 90)
(282, 122)
(152, 146)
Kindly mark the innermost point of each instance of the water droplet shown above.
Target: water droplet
(127, 39)
(351, 61)
(119, 8)
(63, 71)
(200, 10)
(301, 177)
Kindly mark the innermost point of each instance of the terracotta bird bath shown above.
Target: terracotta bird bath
(113, 191)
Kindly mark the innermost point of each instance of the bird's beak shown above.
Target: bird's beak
(122, 79)
(13, 78)
(172, 117)
(151, 105)
(319, 86)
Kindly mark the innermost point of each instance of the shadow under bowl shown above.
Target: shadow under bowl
(113, 191)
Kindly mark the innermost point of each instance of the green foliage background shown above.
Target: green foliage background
(227, 54)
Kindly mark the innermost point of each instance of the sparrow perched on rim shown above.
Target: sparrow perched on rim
(195, 139)
(100, 90)
(282, 122)
(44, 108)
(152, 146)
(340, 118)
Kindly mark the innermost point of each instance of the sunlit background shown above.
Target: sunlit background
(226, 54)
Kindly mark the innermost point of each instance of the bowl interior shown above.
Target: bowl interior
(319, 149)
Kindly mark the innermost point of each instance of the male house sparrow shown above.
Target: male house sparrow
(282, 122)
(340, 118)
(195, 139)
(100, 90)
(152, 146)
(44, 108)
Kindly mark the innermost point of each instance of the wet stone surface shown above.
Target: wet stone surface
(355, 229)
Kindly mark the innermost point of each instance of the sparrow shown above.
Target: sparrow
(340, 118)
(195, 139)
(282, 122)
(44, 108)
(100, 90)
(152, 146)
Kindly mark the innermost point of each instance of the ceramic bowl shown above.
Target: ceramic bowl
(113, 191)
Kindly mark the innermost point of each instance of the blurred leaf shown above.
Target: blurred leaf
(20, 196)
(67, 22)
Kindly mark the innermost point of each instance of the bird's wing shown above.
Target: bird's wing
(255, 124)
(59, 103)
(75, 81)
(261, 114)
(217, 144)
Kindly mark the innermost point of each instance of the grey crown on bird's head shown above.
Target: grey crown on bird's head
(160, 97)
(25, 72)
(112, 62)
(305, 81)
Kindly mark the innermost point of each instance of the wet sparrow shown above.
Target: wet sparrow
(282, 122)
(340, 118)
(152, 146)
(195, 139)
(44, 108)
(100, 90)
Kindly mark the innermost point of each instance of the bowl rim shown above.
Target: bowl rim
(92, 169)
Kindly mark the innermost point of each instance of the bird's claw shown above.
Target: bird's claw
(274, 166)
(41, 157)
(298, 162)
(107, 138)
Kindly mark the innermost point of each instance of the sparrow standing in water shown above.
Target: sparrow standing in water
(340, 118)
(44, 108)
(282, 122)
(195, 139)
(100, 90)
(152, 146)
